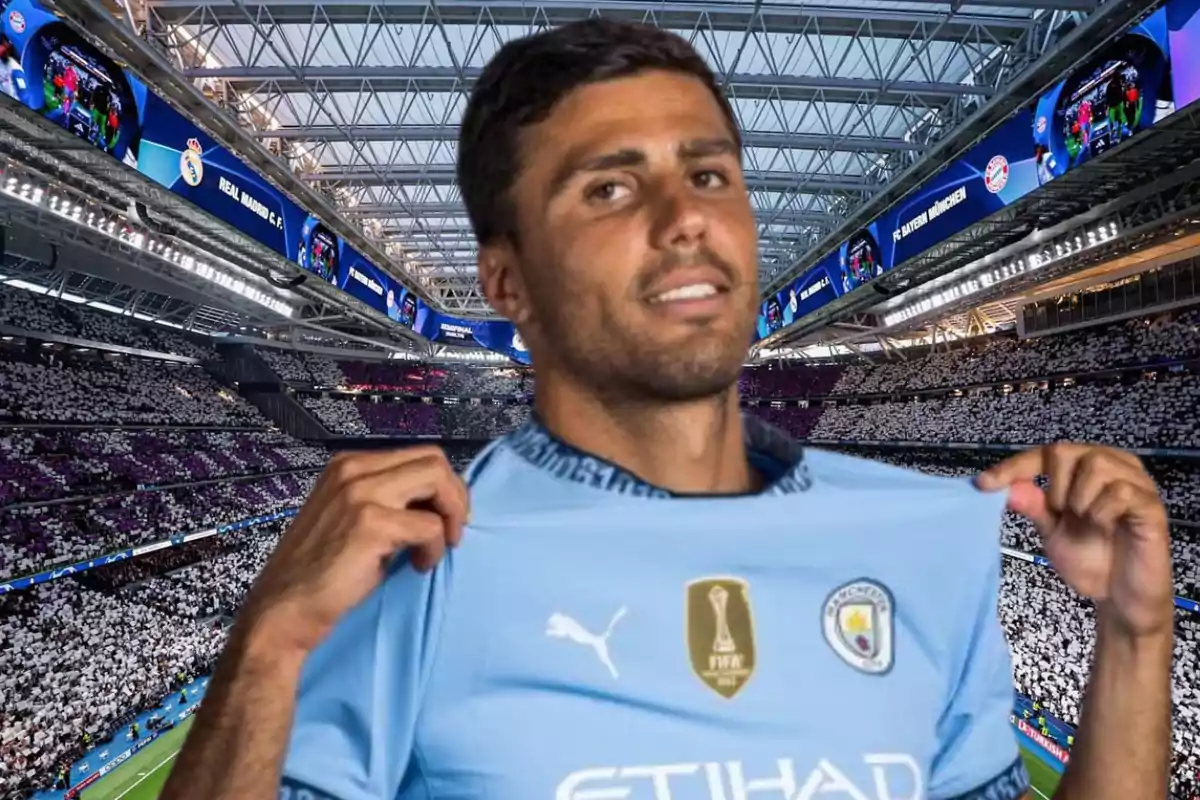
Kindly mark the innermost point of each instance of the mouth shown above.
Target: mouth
(697, 301)
(688, 292)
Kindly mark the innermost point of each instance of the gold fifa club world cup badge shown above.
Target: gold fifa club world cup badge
(720, 633)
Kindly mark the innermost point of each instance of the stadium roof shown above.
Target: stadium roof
(362, 100)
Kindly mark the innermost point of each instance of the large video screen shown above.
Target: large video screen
(1183, 35)
(49, 68)
(318, 251)
(52, 70)
(496, 335)
(1111, 98)
(1136, 81)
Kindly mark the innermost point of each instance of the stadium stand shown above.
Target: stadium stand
(26, 311)
(395, 377)
(1004, 358)
(52, 464)
(469, 419)
(42, 387)
(88, 651)
(91, 652)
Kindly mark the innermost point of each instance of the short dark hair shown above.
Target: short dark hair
(528, 77)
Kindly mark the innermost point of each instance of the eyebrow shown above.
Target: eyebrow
(692, 150)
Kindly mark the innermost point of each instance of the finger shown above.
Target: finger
(427, 484)
(1024, 466)
(400, 486)
(446, 494)
(437, 457)
(347, 466)
(1123, 501)
(1129, 459)
(424, 536)
(1060, 461)
(379, 532)
(1094, 474)
(1029, 464)
(1026, 499)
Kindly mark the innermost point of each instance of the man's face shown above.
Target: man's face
(638, 248)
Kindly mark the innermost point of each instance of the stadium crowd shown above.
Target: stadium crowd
(474, 418)
(86, 652)
(1156, 412)
(45, 388)
(987, 360)
(52, 464)
(89, 653)
(25, 311)
(397, 377)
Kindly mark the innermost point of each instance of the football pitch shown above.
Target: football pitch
(143, 776)
(1041, 776)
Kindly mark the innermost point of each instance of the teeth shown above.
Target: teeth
(695, 291)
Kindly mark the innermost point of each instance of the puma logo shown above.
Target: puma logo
(560, 626)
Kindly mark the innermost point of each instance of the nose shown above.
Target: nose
(680, 219)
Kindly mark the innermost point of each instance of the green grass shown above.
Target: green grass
(142, 776)
(1041, 775)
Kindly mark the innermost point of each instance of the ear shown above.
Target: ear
(502, 282)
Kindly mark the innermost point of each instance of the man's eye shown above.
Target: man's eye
(607, 192)
(710, 179)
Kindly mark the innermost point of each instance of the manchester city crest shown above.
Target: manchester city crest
(858, 622)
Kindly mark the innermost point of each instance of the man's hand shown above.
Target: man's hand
(364, 509)
(1103, 527)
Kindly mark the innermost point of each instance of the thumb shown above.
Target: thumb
(1028, 500)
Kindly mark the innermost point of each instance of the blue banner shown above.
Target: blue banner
(50, 69)
(259, 520)
(370, 284)
(1127, 88)
(1183, 32)
(17, 584)
(497, 335)
(1185, 603)
(1114, 96)
(991, 175)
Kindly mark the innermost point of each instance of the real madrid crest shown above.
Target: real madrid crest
(191, 163)
(719, 625)
(858, 622)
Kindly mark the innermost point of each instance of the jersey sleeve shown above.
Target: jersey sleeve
(361, 692)
(977, 756)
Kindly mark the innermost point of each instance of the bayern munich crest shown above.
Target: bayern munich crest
(995, 176)
(858, 622)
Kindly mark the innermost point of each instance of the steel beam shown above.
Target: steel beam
(457, 211)
(1109, 20)
(782, 18)
(432, 79)
(148, 61)
(449, 133)
(766, 180)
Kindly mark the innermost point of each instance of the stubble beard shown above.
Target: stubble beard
(624, 368)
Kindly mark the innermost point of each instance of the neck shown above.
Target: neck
(688, 448)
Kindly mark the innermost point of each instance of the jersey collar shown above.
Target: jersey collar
(776, 456)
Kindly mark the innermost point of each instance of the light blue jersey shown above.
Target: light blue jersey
(595, 638)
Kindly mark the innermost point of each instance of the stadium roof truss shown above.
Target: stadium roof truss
(360, 101)
(1148, 186)
(96, 265)
(118, 298)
